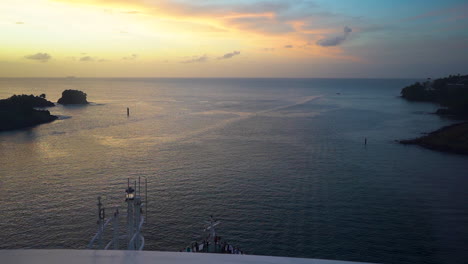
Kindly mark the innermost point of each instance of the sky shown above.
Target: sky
(243, 38)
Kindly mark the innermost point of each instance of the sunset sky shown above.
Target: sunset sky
(245, 38)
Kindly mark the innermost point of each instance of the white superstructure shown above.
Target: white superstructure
(59, 256)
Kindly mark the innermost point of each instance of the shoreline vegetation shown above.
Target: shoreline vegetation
(19, 111)
(452, 94)
(73, 97)
(449, 92)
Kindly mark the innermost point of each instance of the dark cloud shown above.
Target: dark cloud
(87, 58)
(229, 55)
(92, 59)
(288, 46)
(335, 41)
(131, 57)
(195, 59)
(42, 57)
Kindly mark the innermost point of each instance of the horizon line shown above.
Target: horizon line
(126, 77)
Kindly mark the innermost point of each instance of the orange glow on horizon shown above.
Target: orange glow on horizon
(115, 38)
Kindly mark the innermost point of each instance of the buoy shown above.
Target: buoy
(128, 111)
(365, 141)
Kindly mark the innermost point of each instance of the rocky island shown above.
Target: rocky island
(73, 97)
(452, 138)
(19, 112)
(452, 94)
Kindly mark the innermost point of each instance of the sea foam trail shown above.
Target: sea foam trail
(196, 133)
(303, 101)
(154, 140)
(243, 116)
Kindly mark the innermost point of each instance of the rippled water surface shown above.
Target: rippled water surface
(281, 162)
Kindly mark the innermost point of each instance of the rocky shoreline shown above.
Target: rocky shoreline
(452, 139)
(19, 111)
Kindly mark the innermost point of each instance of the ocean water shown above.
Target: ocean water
(281, 162)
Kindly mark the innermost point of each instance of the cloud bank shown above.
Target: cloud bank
(335, 41)
(42, 57)
(131, 57)
(229, 55)
(86, 58)
(195, 59)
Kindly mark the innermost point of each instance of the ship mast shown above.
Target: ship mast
(211, 227)
(135, 219)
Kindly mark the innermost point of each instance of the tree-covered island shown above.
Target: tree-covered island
(73, 97)
(19, 111)
(452, 94)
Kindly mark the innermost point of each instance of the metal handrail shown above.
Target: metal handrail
(112, 241)
(142, 242)
(109, 244)
(90, 245)
(142, 220)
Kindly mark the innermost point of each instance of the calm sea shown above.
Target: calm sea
(281, 162)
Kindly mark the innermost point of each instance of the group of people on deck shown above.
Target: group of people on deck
(225, 247)
(229, 249)
(219, 247)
